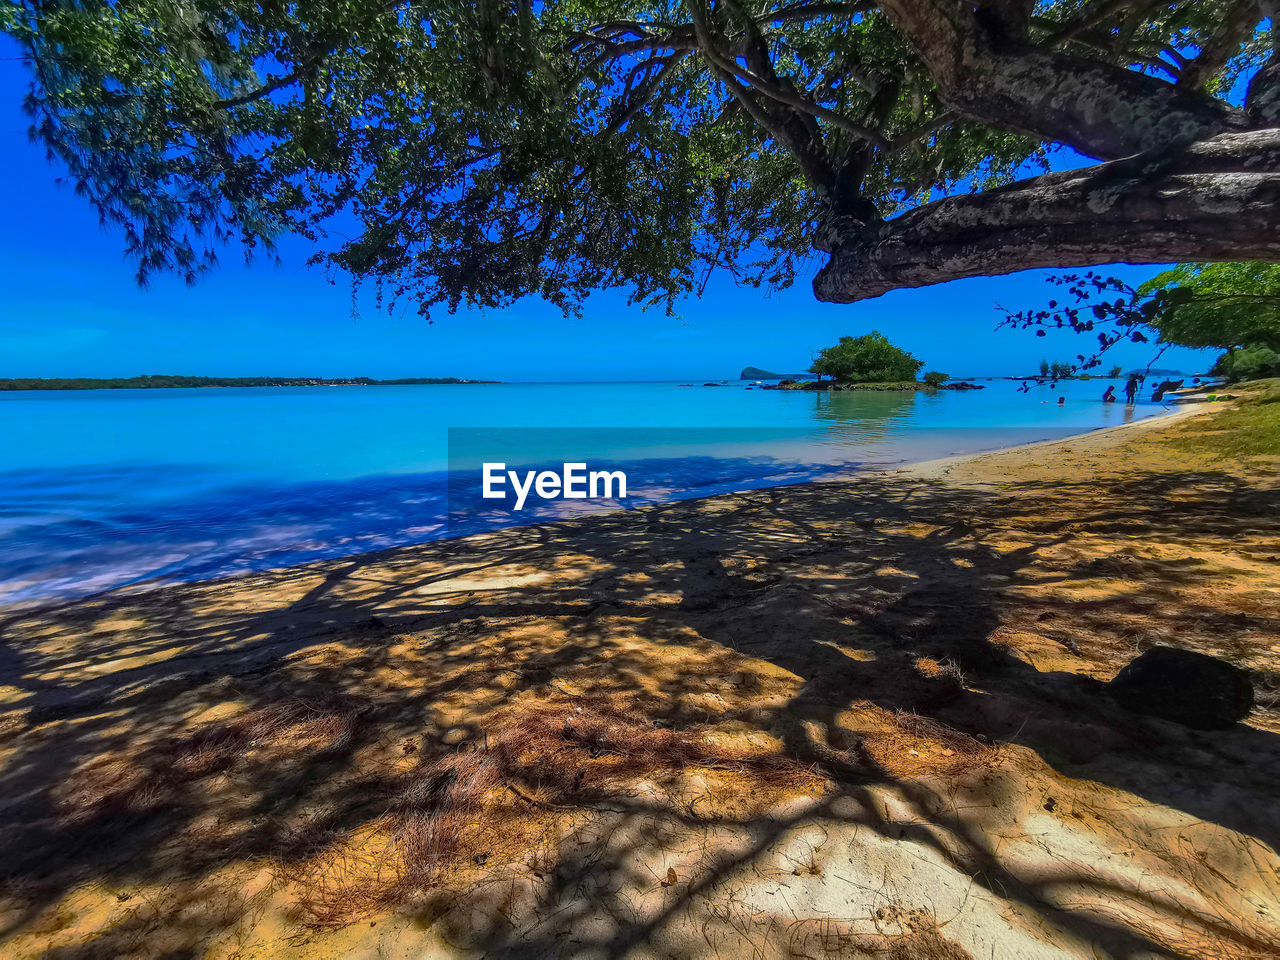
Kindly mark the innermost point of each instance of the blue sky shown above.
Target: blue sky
(69, 307)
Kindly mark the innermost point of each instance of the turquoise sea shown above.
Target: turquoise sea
(106, 488)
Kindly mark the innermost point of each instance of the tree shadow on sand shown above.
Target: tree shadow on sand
(162, 739)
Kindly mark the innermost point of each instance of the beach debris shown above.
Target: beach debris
(1190, 688)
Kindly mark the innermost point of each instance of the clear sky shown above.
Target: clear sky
(69, 307)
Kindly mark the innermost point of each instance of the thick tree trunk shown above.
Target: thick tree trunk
(1219, 199)
(987, 69)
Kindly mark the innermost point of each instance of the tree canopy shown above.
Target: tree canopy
(1221, 305)
(475, 152)
(870, 358)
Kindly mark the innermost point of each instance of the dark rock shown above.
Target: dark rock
(1190, 688)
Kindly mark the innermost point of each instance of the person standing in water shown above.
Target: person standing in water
(1131, 388)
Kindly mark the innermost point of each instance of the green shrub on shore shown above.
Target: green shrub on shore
(870, 358)
(935, 378)
(1248, 363)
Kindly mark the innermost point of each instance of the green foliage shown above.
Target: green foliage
(870, 358)
(1248, 363)
(1228, 305)
(470, 153)
(1115, 371)
(1057, 370)
(1217, 304)
(935, 379)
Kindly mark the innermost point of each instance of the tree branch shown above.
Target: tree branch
(801, 12)
(1088, 17)
(635, 99)
(268, 87)
(1224, 44)
(776, 91)
(1100, 109)
(796, 134)
(1217, 200)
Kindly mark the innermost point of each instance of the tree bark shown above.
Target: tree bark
(985, 68)
(1218, 199)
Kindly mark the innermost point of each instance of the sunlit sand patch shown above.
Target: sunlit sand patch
(122, 664)
(490, 583)
(1044, 653)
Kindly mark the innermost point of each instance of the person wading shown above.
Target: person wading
(1131, 388)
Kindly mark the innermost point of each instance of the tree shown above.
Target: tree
(1216, 305)
(1224, 305)
(867, 359)
(1248, 363)
(477, 152)
(1115, 371)
(936, 379)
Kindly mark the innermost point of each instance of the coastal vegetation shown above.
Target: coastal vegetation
(1247, 363)
(163, 381)
(870, 358)
(1224, 305)
(471, 154)
(1232, 306)
(1250, 430)
(870, 362)
(1057, 370)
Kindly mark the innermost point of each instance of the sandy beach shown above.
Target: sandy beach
(863, 718)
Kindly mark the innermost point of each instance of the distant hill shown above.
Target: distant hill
(755, 373)
(163, 381)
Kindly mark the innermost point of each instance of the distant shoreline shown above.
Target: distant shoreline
(164, 382)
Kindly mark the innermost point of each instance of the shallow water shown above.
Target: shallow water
(104, 488)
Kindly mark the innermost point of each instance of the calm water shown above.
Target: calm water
(105, 488)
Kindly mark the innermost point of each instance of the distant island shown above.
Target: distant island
(162, 381)
(755, 373)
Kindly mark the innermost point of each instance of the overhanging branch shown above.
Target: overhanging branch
(988, 69)
(1218, 200)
